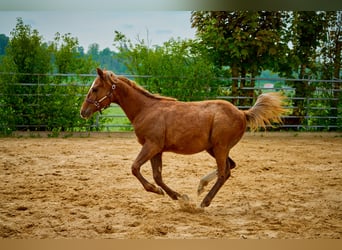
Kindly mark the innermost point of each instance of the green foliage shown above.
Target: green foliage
(239, 44)
(3, 44)
(68, 58)
(63, 105)
(177, 69)
(26, 52)
(106, 58)
(243, 42)
(306, 33)
(298, 44)
(30, 99)
(26, 55)
(247, 40)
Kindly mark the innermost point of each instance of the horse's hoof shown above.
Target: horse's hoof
(201, 186)
(205, 204)
(187, 206)
(160, 191)
(184, 197)
(200, 190)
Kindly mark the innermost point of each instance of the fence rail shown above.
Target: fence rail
(323, 108)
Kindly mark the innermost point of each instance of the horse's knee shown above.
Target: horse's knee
(135, 170)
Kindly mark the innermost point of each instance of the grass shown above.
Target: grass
(114, 119)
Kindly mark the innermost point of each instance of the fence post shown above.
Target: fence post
(97, 122)
(38, 100)
(307, 112)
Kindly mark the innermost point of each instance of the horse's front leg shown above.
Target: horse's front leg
(147, 152)
(156, 163)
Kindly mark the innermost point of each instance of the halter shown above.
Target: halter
(97, 103)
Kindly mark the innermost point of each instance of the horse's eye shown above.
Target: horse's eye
(94, 90)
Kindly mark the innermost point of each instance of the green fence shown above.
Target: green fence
(52, 102)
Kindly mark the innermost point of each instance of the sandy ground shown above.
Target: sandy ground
(285, 185)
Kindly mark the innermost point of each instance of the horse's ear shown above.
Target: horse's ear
(99, 72)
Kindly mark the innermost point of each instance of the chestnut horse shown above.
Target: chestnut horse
(163, 124)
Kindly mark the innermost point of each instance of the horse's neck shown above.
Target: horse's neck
(132, 101)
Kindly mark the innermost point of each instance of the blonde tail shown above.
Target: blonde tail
(267, 109)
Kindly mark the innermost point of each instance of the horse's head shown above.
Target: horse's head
(100, 94)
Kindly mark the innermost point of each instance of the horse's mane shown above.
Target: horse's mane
(144, 91)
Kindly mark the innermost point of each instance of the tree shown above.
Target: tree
(68, 56)
(307, 32)
(93, 51)
(32, 99)
(177, 68)
(330, 52)
(330, 59)
(106, 58)
(26, 58)
(27, 52)
(3, 44)
(243, 41)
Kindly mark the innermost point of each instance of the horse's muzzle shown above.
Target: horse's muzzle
(85, 113)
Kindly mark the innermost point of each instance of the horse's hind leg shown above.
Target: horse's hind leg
(231, 164)
(204, 181)
(156, 162)
(223, 173)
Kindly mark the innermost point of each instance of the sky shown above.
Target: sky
(98, 26)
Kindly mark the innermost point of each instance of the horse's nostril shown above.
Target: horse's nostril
(83, 114)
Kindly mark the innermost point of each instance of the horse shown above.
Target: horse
(164, 124)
